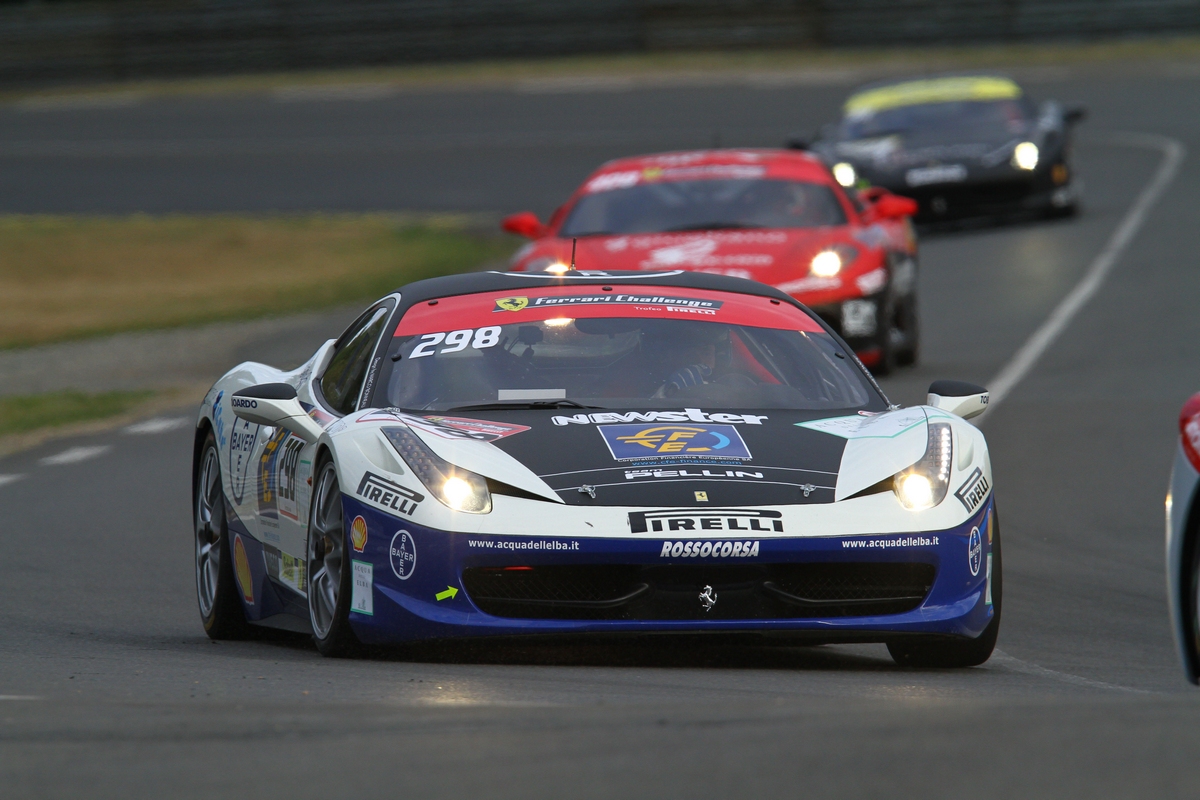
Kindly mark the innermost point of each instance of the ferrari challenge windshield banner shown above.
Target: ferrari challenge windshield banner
(573, 302)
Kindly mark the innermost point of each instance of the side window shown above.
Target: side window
(343, 378)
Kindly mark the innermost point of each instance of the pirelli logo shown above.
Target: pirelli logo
(972, 492)
(379, 490)
(716, 519)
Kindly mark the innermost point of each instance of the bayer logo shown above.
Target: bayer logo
(403, 553)
(974, 551)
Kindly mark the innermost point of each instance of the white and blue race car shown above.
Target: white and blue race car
(504, 454)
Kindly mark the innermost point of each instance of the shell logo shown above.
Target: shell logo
(241, 569)
(358, 534)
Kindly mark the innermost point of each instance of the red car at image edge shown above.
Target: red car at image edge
(774, 216)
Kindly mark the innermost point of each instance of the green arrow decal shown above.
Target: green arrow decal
(449, 594)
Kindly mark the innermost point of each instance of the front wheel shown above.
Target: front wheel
(963, 652)
(329, 568)
(216, 586)
(1189, 602)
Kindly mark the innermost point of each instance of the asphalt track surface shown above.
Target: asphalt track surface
(109, 688)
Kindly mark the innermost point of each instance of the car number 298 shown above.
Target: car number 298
(454, 341)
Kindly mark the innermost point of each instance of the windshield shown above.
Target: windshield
(958, 116)
(619, 356)
(662, 207)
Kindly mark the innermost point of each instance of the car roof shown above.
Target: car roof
(777, 163)
(478, 282)
(895, 92)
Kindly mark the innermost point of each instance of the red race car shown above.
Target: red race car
(775, 216)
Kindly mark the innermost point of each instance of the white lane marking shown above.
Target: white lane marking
(7, 479)
(19, 697)
(157, 425)
(1033, 349)
(74, 455)
(1017, 665)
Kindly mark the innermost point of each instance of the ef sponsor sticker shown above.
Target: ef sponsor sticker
(362, 597)
(974, 551)
(633, 442)
(403, 555)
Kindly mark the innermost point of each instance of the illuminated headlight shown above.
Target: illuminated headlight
(845, 174)
(832, 260)
(456, 488)
(924, 484)
(1025, 156)
(826, 264)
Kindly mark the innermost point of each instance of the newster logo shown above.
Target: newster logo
(380, 490)
(716, 519)
(972, 492)
(629, 442)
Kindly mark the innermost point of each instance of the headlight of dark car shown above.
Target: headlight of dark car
(1025, 156)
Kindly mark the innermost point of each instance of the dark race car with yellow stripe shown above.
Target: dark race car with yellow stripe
(960, 145)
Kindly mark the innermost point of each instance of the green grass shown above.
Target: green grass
(66, 277)
(24, 413)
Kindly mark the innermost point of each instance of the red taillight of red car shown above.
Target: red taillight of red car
(1189, 429)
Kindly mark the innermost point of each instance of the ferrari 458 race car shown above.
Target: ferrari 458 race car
(774, 216)
(960, 145)
(502, 454)
(1183, 541)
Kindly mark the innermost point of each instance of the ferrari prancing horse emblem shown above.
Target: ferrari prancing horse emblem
(708, 598)
(511, 303)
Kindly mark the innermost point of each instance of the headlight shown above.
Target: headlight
(845, 174)
(1025, 156)
(456, 488)
(831, 261)
(924, 484)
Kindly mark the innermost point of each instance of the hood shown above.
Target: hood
(982, 147)
(679, 457)
(778, 257)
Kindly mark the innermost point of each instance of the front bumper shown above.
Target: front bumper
(1038, 192)
(860, 322)
(409, 583)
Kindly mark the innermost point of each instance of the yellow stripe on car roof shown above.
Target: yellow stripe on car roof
(936, 90)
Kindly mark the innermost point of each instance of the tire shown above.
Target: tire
(906, 320)
(329, 567)
(887, 343)
(217, 591)
(1189, 586)
(962, 652)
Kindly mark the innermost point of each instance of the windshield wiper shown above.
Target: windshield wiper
(522, 404)
(712, 226)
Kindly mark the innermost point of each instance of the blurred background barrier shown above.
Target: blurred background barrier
(56, 42)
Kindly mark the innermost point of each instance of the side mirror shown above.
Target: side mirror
(524, 224)
(1075, 115)
(798, 143)
(958, 397)
(275, 404)
(892, 206)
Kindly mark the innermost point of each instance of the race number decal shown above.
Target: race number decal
(455, 341)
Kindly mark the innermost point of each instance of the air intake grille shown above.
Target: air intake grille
(631, 592)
